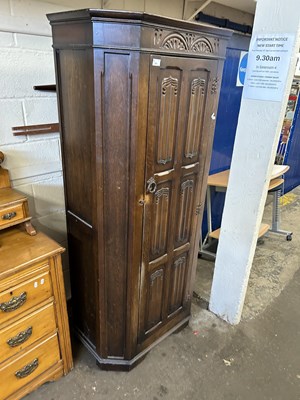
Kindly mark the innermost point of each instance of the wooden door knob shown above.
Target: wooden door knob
(1, 157)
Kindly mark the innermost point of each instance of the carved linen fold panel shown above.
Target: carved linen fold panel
(160, 218)
(154, 306)
(177, 284)
(185, 211)
(167, 123)
(195, 117)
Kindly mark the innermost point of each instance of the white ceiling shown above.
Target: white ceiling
(243, 5)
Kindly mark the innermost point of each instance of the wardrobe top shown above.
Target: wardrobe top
(134, 17)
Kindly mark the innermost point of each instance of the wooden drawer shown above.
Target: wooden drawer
(19, 371)
(12, 214)
(25, 295)
(26, 331)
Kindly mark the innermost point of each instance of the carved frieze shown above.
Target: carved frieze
(189, 42)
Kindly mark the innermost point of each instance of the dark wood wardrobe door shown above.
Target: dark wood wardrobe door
(178, 100)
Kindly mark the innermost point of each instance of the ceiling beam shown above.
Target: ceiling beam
(205, 4)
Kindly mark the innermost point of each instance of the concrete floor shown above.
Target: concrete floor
(276, 260)
(211, 360)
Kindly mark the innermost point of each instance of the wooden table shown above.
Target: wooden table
(221, 178)
(220, 182)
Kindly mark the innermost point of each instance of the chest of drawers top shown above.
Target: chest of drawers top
(19, 250)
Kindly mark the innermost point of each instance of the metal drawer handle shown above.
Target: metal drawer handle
(28, 369)
(14, 303)
(151, 185)
(20, 337)
(9, 216)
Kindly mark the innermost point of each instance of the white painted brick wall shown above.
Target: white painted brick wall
(28, 16)
(23, 69)
(48, 196)
(43, 110)
(11, 114)
(34, 162)
(34, 158)
(4, 8)
(7, 39)
(33, 42)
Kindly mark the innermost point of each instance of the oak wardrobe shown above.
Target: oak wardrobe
(138, 97)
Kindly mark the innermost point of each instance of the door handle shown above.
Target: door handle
(151, 185)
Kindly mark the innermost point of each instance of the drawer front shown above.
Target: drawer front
(9, 215)
(25, 368)
(26, 331)
(20, 298)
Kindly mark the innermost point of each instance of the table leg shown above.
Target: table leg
(208, 208)
(205, 242)
(276, 217)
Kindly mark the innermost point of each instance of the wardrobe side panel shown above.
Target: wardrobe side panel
(75, 82)
(75, 70)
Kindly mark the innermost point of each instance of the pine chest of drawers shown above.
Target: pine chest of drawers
(14, 210)
(34, 330)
